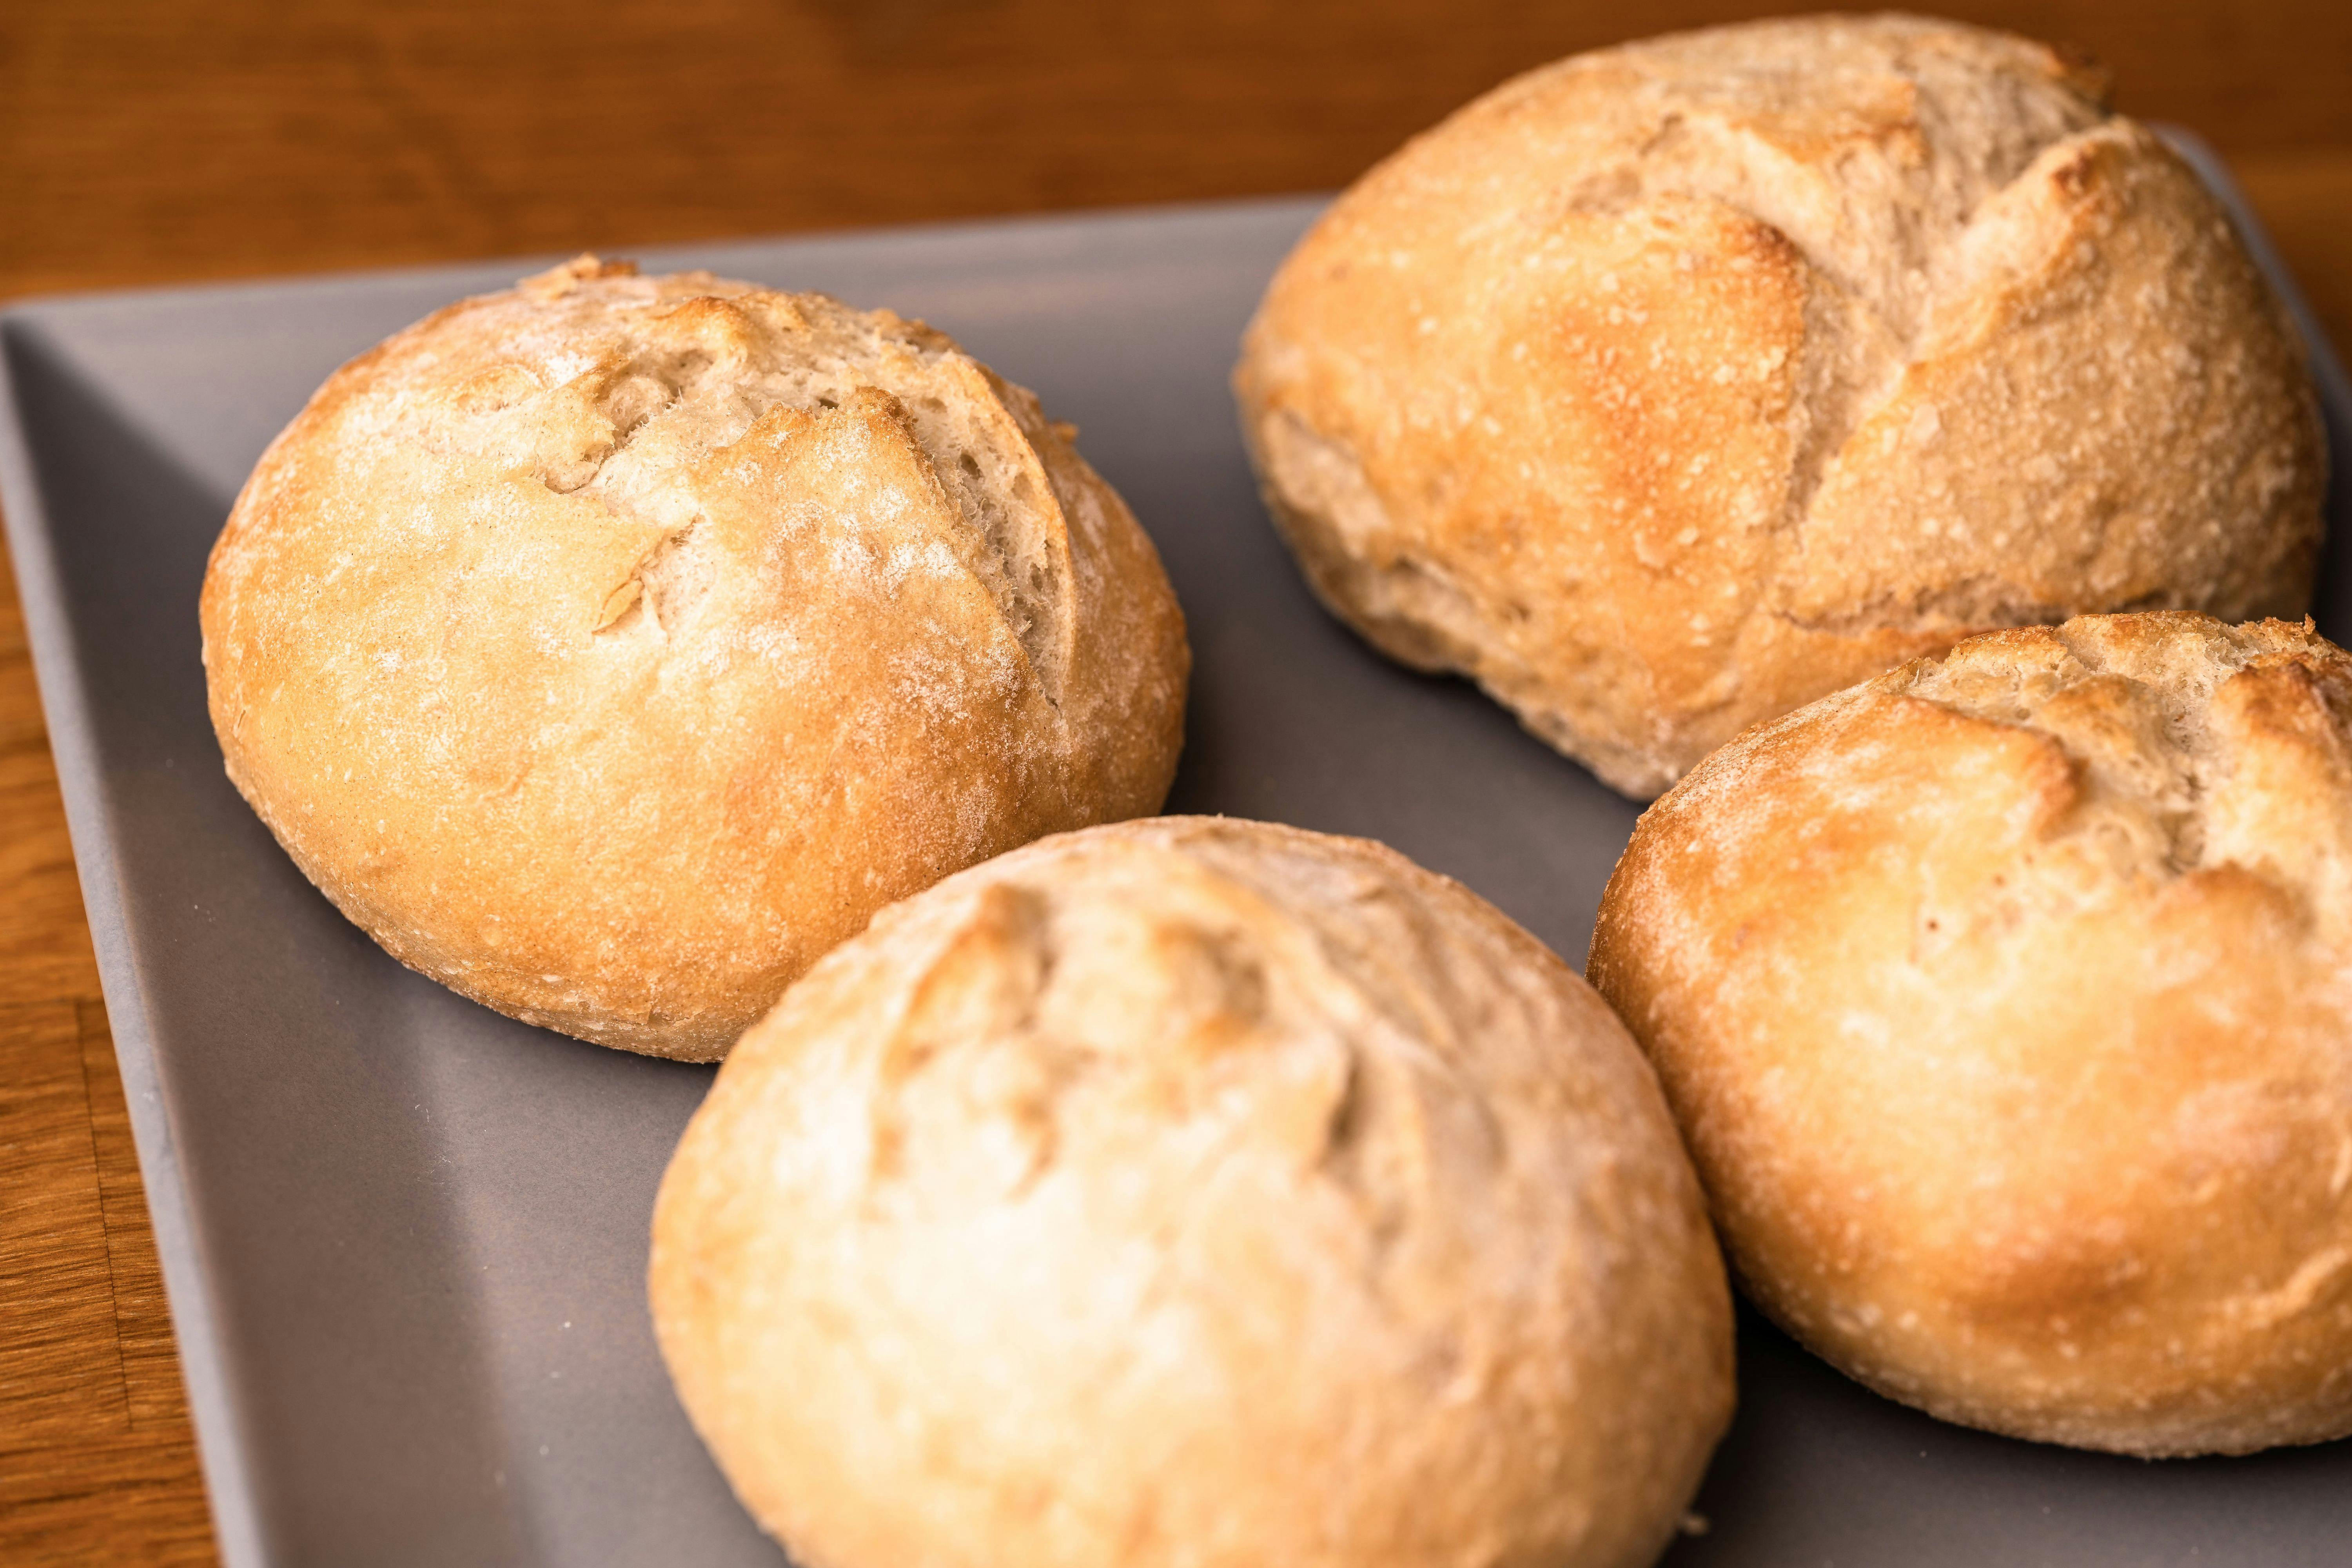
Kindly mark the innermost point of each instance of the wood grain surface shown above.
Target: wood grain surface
(151, 140)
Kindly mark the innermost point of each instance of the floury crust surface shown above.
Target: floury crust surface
(1197, 1192)
(1668, 388)
(611, 647)
(2006, 1004)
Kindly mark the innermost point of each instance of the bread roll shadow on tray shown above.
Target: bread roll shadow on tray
(1189, 1191)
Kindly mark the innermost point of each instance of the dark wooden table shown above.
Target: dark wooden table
(143, 141)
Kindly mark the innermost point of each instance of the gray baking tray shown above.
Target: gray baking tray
(404, 1238)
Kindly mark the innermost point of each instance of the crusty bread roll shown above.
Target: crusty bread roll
(2006, 1000)
(611, 647)
(1669, 388)
(1194, 1192)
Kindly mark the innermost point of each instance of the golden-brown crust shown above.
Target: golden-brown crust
(2006, 1004)
(1194, 1192)
(611, 647)
(1669, 388)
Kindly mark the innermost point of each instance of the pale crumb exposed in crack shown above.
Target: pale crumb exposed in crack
(1872, 150)
(611, 386)
(2132, 702)
(1920, 135)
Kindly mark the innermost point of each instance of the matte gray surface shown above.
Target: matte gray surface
(405, 1237)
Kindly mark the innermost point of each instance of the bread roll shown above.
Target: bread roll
(2005, 1002)
(611, 647)
(1194, 1192)
(1668, 388)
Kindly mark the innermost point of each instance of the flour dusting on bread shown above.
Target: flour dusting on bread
(610, 647)
(1674, 385)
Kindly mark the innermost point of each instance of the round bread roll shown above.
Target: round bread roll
(1668, 388)
(1194, 1192)
(611, 647)
(2006, 1000)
